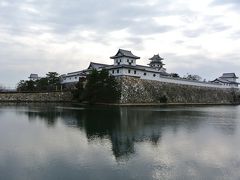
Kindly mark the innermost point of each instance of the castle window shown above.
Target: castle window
(144, 74)
(135, 72)
(118, 71)
(76, 77)
(129, 71)
(154, 75)
(113, 71)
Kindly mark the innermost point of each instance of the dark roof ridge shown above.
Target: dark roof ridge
(99, 63)
(124, 53)
(228, 75)
(156, 57)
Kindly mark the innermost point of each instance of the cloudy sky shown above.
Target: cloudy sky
(197, 37)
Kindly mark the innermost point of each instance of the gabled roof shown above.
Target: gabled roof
(229, 75)
(224, 81)
(124, 53)
(221, 80)
(76, 73)
(156, 58)
(96, 65)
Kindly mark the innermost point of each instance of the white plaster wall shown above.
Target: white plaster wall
(149, 76)
(124, 60)
(71, 79)
(120, 73)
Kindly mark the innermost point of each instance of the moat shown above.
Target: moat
(54, 141)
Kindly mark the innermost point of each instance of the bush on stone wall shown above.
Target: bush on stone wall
(163, 99)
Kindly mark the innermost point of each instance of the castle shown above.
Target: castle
(125, 65)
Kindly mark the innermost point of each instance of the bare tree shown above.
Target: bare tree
(193, 77)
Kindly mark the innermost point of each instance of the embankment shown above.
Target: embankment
(139, 91)
(36, 97)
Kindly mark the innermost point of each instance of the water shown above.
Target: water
(39, 141)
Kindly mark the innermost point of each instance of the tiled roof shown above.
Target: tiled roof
(33, 76)
(229, 75)
(156, 58)
(224, 81)
(124, 53)
(97, 65)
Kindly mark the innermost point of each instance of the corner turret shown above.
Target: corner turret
(156, 62)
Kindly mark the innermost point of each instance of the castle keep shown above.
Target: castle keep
(125, 64)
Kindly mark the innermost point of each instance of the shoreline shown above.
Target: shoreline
(118, 104)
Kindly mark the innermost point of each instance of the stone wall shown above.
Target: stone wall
(138, 91)
(36, 97)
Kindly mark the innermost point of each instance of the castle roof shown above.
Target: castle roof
(229, 75)
(33, 76)
(224, 81)
(124, 53)
(156, 58)
(96, 65)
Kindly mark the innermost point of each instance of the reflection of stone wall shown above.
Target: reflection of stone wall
(136, 90)
(36, 97)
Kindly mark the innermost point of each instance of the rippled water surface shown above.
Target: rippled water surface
(49, 141)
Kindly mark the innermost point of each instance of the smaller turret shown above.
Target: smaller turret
(156, 62)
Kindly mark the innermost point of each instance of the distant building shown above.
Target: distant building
(228, 79)
(33, 77)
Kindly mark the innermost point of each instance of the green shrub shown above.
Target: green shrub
(100, 88)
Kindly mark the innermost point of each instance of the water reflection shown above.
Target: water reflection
(39, 141)
(126, 126)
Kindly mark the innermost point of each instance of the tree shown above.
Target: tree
(49, 83)
(42, 84)
(52, 77)
(78, 90)
(1, 88)
(26, 85)
(53, 80)
(101, 87)
(193, 77)
(175, 75)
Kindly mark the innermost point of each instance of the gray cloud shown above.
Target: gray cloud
(64, 20)
(222, 2)
(235, 35)
(208, 28)
(193, 33)
(200, 64)
(103, 16)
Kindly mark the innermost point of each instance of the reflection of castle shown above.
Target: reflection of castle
(124, 126)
